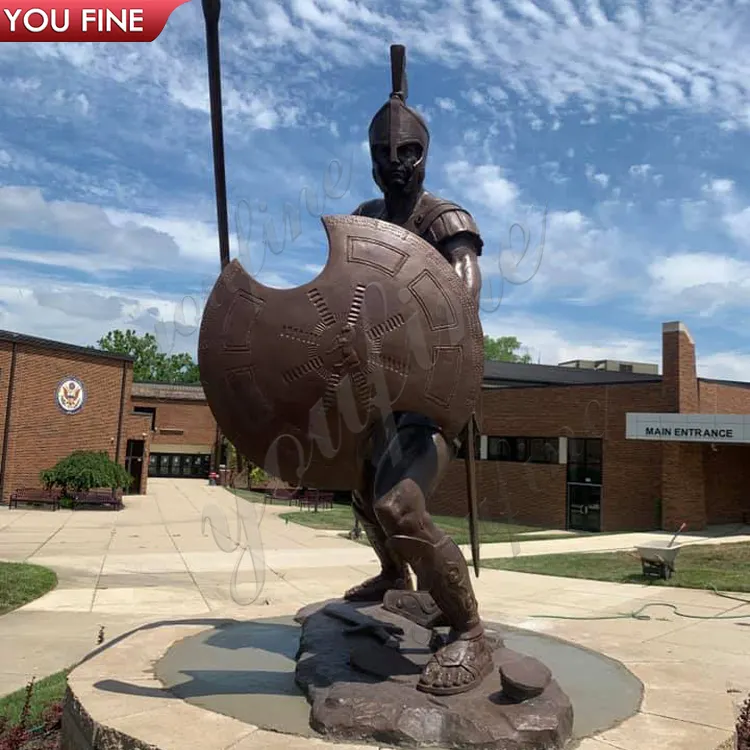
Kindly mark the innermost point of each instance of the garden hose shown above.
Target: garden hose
(637, 614)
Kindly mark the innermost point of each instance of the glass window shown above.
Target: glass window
(542, 450)
(499, 449)
(593, 452)
(175, 467)
(521, 449)
(576, 451)
(186, 466)
(164, 463)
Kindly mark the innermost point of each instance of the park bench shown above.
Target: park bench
(316, 499)
(34, 496)
(98, 499)
(281, 494)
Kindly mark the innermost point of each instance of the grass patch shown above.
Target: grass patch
(21, 583)
(47, 691)
(253, 497)
(698, 566)
(341, 518)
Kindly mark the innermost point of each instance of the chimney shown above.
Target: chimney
(679, 376)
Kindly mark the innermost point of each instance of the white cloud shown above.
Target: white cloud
(103, 239)
(558, 54)
(640, 170)
(447, 105)
(80, 313)
(738, 225)
(483, 184)
(700, 283)
(719, 188)
(731, 365)
(598, 177)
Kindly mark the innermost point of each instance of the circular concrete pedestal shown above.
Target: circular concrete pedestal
(219, 684)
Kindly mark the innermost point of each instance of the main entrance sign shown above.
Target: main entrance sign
(693, 428)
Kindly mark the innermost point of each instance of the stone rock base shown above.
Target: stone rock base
(362, 689)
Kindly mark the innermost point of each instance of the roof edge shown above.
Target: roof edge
(730, 383)
(41, 343)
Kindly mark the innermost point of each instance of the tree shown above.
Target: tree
(503, 349)
(151, 364)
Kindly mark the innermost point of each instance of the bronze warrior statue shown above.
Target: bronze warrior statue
(393, 507)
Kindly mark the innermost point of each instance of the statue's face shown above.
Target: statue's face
(396, 175)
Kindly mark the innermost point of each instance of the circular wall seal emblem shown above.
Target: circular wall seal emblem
(70, 395)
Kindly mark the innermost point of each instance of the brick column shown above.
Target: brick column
(683, 485)
(679, 376)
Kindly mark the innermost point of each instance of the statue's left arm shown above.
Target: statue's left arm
(461, 252)
(456, 236)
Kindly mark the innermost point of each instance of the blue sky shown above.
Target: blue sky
(618, 132)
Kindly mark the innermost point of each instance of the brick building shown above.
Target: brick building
(598, 446)
(600, 450)
(56, 398)
(184, 435)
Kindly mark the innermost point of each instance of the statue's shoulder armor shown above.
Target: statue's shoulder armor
(437, 220)
(373, 209)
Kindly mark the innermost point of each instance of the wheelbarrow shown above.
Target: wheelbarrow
(657, 560)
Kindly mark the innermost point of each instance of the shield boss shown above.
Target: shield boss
(297, 377)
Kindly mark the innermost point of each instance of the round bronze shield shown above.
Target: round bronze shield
(297, 377)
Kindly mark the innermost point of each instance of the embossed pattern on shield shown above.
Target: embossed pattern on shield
(296, 377)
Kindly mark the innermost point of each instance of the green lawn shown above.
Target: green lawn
(341, 518)
(21, 583)
(700, 566)
(46, 691)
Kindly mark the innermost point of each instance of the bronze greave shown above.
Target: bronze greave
(393, 566)
(441, 568)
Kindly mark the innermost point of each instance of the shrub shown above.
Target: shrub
(86, 470)
(257, 476)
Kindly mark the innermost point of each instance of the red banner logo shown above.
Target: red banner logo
(84, 21)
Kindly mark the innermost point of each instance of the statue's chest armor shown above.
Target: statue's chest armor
(428, 209)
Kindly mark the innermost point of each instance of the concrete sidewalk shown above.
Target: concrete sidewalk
(153, 561)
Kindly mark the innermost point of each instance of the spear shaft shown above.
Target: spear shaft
(211, 12)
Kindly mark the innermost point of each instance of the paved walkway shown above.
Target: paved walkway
(153, 561)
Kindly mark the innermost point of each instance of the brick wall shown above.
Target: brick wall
(40, 432)
(536, 493)
(180, 422)
(683, 486)
(727, 483)
(727, 468)
(532, 494)
(719, 398)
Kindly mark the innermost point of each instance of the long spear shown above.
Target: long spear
(211, 12)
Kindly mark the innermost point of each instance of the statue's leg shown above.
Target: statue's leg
(402, 488)
(394, 572)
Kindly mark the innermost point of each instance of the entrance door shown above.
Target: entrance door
(585, 507)
(134, 464)
(584, 484)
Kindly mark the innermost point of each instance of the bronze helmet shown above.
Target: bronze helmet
(397, 125)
